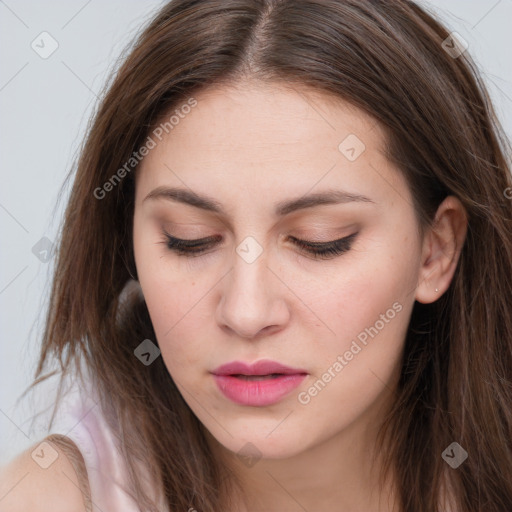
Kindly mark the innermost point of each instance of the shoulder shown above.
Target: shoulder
(48, 477)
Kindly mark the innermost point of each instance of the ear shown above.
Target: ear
(442, 245)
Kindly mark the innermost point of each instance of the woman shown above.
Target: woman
(285, 272)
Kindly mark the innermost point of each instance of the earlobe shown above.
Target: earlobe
(442, 246)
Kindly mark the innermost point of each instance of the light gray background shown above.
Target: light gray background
(45, 106)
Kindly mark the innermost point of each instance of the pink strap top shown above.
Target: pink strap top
(80, 418)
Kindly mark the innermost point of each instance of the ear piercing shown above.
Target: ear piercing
(437, 290)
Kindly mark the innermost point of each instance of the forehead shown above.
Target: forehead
(249, 115)
(269, 140)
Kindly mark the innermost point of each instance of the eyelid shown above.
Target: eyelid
(320, 243)
(210, 239)
(312, 249)
(194, 241)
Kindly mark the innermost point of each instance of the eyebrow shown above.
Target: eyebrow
(282, 208)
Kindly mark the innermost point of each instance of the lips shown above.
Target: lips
(259, 368)
(262, 383)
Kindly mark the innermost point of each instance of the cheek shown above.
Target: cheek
(174, 301)
(354, 296)
(367, 311)
(353, 367)
(179, 317)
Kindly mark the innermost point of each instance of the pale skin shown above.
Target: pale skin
(249, 148)
(27, 487)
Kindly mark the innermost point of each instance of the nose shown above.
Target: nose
(253, 299)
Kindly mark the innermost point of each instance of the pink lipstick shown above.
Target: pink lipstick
(259, 384)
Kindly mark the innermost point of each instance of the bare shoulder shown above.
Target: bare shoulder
(49, 476)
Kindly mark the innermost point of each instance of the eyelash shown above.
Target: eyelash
(319, 250)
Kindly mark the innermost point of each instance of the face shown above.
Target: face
(266, 281)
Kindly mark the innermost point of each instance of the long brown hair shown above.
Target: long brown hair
(388, 59)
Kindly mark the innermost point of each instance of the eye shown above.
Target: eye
(190, 248)
(319, 250)
(325, 250)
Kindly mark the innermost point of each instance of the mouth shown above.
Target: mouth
(262, 368)
(259, 384)
(257, 377)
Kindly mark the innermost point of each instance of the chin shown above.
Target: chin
(256, 445)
